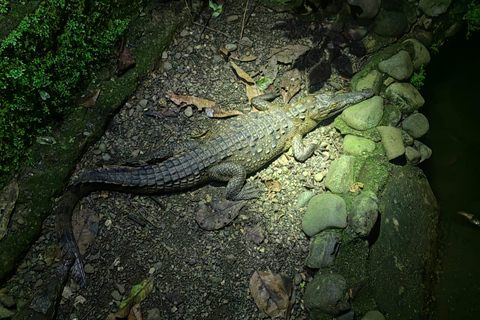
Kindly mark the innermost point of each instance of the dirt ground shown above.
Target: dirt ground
(197, 274)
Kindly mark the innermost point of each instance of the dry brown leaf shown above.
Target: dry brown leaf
(254, 234)
(252, 92)
(272, 293)
(290, 53)
(215, 215)
(224, 52)
(211, 108)
(356, 187)
(8, 199)
(291, 84)
(243, 59)
(125, 59)
(273, 186)
(91, 100)
(136, 313)
(85, 228)
(245, 77)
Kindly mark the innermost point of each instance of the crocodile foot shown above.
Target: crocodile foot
(217, 214)
(249, 191)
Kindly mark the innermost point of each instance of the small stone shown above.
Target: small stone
(102, 147)
(7, 301)
(143, 103)
(246, 42)
(232, 18)
(392, 142)
(120, 288)
(364, 115)
(188, 111)
(303, 198)
(354, 145)
(325, 211)
(413, 155)
(217, 58)
(318, 177)
(89, 268)
(184, 33)
(167, 65)
(373, 315)
(164, 55)
(97, 152)
(399, 66)
(20, 221)
(340, 175)
(416, 125)
(154, 314)
(38, 283)
(116, 295)
(106, 157)
(231, 47)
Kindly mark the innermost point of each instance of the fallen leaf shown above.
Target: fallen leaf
(291, 84)
(136, 313)
(245, 77)
(224, 52)
(243, 59)
(91, 100)
(8, 199)
(85, 228)
(136, 296)
(125, 59)
(252, 92)
(254, 234)
(290, 53)
(272, 293)
(356, 187)
(211, 108)
(217, 214)
(273, 186)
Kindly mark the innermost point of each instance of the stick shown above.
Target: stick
(243, 20)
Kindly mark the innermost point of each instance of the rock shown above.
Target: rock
(232, 18)
(324, 211)
(167, 65)
(416, 125)
(188, 111)
(372, 315)
(390, 23)
(371, 134)
(323, 249)
(231, 47)
(89, 268)
(106, 157)
(143, 103)
(407, 139)
(405, 96)
(246, 42)
(102, 147)
(425, 151)
(392, 115)
(408, 210)
(373, 80)
(399, 66)
(357, 146)
(303, 199)
(369, 8)
(340, 175)
(421, 56)
(116, 295)
(364, 213)
(392, 142)
(184, 33)
(434, 8)
(154, 314)
(364, 115)
(327, 293)
(413, 155)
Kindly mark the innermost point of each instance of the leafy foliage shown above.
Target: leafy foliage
(418, 78)
(44, 62)
(473, 17)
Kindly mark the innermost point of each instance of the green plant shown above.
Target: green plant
(3, 6)
(44, 62)
(418, 78)
(217, 8)
(473, 17)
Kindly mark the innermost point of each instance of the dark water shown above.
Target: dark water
(452, 94)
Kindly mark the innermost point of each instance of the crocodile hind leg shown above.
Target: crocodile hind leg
(300, 152)
(235, 174)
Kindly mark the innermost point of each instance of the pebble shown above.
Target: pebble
(89, 268)
(143, 103)
(106, 157)
(319, 176)
(232, 18)
(231, 47)
(164, 55)
(246, 42)
(184, 33)
(116, 295)
(167, 65)
(97, 152)
(188, 112)
(102, 147)
(21, 221)
(38, 283)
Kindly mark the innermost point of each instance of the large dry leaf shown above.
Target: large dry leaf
(272, 293)
(289, 54)
(136, 296)
(291, 84)
(211, 108)
(252, 92)
(91, 100)
(242, 58)
(254, 234)
(242, 75)
(8, 199)
(85, 228)
(217, 214)
(125, 59)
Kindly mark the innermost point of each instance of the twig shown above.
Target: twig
(215, 30)
(243, 20)
(189, 10)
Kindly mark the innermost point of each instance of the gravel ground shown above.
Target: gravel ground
(198, 274)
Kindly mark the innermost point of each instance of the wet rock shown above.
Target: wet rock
(398, 66)
(369, 8)
(327, 293)
(106, 157)
(405, 96)
(421, 56)
(371, 134)
(303, 198)
(390, 23)
(89, 268)
(323, 250)
(425, 151)
(364, 213)
(373, 315)
(116, 295)
(102, 147)
(434, 8)
(231, 47)
(354, 145)
(364, 115)
(184, 33)
(416, 125)
(246, 42)
(392, 142)
(340, 175)
(413, 155)
(154, 314)
(392, 115)
(325, 211)
(143, 103)
(167, 65)
(188, 111)
(373, 80)
(407, 139)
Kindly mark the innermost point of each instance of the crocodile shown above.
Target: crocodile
(229, 152)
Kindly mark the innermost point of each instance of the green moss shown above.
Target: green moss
(473, 17)
(418, 79)
(46, 61)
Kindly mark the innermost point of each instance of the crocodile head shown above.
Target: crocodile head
(329, 104)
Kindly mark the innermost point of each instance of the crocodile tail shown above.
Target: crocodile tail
(119, 176)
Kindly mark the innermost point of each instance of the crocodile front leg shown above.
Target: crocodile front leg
(300, 152)
(262, 102)
(235, 174)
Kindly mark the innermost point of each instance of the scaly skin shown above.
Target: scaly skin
(233, 149)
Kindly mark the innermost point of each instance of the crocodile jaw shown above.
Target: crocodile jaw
(331, 104)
